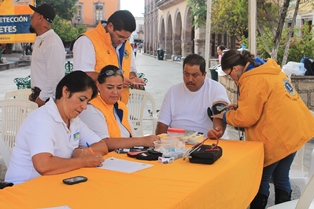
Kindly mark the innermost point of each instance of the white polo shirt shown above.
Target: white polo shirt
(84, 56)
(45, 131)
(184, 109)
(47, 66)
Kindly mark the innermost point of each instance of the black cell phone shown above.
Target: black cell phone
(74, 180)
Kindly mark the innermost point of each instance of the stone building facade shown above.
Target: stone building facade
(168, 26)
(91, 12)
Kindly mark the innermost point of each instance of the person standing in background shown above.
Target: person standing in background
(220, 50)
(109, 45)
(48, 57)
(135, 49)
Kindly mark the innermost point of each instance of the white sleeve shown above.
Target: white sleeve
(84, 57)
(164, 115)
(95, 120)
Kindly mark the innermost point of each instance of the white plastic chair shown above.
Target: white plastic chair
(18, 94)
(298, 175)
(305, 201)
(13, 112)
(137, 105)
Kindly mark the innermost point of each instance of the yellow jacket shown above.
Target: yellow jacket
(106, 54)
(108, 111)
(271, 111)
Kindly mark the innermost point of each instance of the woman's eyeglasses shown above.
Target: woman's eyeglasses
(229, 74)
(112, 72)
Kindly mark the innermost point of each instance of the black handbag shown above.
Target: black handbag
(206, 154)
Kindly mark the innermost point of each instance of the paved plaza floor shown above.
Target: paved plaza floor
(160, 74)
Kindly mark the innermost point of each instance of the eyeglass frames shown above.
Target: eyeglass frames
(229, 74)
(120, 37)
(111, 72)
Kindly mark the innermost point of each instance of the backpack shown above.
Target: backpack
(309, 66)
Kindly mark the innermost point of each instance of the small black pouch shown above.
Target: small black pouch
(149, 155)
(206, 154)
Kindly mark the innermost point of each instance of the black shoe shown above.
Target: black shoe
(259, 202)
(281, 196)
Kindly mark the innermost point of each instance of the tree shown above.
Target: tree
(283, 14)
(231, 16)
(64, 8)
(66, 31)
(286, 52)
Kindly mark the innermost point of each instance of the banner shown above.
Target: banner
(15, 19)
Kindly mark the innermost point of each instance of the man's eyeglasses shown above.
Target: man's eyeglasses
(120, 37)
(111, 72)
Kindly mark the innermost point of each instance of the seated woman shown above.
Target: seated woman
(108, 117)
(51, 139)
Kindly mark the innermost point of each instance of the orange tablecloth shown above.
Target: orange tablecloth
(231, 182)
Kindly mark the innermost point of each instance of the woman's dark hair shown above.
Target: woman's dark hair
(233, 58)
(195, 59)
(221, 47)
(107, 71)
(76, 81)
(123, 20)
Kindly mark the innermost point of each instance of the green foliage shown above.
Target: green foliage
(64, 8)
(301, 44)
(65, 30)
(198, 11)
(232, 15)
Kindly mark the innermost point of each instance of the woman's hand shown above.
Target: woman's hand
(81, 152)
(232, 107)
(148, 141)
(93, 160)
(215, 133)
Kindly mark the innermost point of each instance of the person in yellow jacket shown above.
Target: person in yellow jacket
(109, 45)
(271, 111)
(108, 117)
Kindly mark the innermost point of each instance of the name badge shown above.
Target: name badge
(76, 136)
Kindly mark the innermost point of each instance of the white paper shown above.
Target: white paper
(115, 164)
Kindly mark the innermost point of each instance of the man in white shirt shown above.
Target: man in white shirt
(186, 104)
(108, 44)
(48, 57)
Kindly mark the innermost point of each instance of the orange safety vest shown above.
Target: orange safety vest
(108, 111)
(106, 54)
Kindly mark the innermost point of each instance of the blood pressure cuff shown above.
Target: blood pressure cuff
(216, 109)
(206, 155)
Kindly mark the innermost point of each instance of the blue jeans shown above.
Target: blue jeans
(279, 171)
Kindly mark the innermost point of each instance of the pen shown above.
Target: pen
(90, 149)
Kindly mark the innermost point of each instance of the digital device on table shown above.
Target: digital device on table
(194, 137)
(132, 149)
(74, 180)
